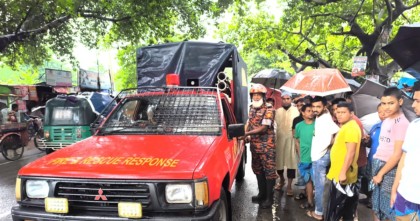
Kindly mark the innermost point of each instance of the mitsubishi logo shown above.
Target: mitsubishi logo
(100, 196)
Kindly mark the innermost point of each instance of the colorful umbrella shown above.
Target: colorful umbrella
(320, 82)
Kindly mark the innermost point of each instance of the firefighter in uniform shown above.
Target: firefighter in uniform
(260, 132)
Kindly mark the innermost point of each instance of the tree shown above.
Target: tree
(29, 28)
(330, 33)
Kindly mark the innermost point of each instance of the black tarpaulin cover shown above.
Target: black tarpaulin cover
(200, 61)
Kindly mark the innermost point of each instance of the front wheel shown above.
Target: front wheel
(49, 150)
(37, 139)
(241, 169)
(12, 148)
(223, 213)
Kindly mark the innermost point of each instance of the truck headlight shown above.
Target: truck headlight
(37, 188)
(178, 193)
(46, 134)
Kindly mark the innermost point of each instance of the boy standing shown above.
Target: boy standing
(388, 154)
(405, 194)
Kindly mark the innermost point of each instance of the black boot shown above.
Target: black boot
(270, 193)
(261, 189)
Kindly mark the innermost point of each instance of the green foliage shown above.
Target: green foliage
(29, 74)
(29, 29)
(126, 77)
(314, 30)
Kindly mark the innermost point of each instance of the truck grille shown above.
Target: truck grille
(103, 197)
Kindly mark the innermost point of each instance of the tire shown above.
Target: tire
(38, 136)
(12, 148)
(49, 150)
(241, 169)
(223, 213)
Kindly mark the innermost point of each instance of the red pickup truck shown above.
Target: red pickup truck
(163, 152)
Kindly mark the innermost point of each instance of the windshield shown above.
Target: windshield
(62, 116)
(180, 111)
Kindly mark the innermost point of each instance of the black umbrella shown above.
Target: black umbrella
(364, 104)
(366, 99)
(405, 47)
(273, 78)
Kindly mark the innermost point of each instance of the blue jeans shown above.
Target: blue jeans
(319, 168)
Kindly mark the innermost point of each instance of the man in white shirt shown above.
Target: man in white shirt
(325, 129)
(405, 192)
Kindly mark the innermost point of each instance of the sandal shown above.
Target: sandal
(301, 196)
(306, 206)
(313, 215)
(290, 193)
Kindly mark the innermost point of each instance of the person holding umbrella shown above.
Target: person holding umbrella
(260, 129)
(324, 132)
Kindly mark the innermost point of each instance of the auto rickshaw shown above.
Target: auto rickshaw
(67, 120)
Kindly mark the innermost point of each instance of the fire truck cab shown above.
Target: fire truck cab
(165, 151)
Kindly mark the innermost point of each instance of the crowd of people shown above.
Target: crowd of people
(324, 145)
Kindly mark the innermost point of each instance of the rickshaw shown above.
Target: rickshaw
(13, 136)
(13, 139)
(67, 120)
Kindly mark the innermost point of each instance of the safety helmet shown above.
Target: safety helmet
(258, 88)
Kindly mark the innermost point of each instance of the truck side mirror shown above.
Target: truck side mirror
(236, 130)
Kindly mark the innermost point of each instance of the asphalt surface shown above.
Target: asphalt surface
(285, 208)
(8, 172)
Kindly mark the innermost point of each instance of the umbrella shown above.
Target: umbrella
(354, 85)
(405, 47)
(371, 88)
(364, 104)
(275, 94)
(366, 100)
(320, 82)
(98, 101)
(272, 78)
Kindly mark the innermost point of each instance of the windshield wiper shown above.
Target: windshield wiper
(102, 131)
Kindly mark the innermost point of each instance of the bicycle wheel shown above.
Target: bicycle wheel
(12, 148)
(39, 135)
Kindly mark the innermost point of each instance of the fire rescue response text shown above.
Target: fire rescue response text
(132, 161)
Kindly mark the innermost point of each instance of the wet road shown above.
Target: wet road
(8, 172)
(285, 208)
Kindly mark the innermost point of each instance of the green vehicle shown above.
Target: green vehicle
(67, 119)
